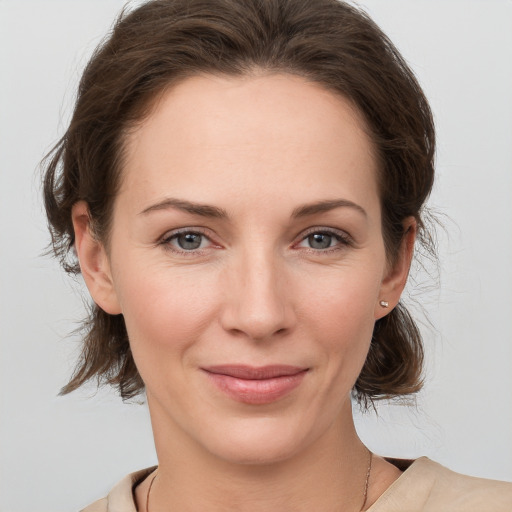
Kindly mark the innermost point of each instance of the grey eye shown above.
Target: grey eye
(189, 241)
(320, 240)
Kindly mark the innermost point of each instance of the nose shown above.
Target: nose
(258, 301)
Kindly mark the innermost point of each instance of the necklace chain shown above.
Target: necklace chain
(367, 481)
(365, 494)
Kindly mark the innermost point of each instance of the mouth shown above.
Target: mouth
(256, 385)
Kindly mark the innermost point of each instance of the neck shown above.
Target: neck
(328, 475)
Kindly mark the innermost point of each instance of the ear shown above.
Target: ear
(94, 262)
(394, 281)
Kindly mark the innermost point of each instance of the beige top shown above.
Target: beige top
(424, 486)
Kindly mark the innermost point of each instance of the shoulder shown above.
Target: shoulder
(120, 498)
(464, 492)
(97, 506)
(430, 487)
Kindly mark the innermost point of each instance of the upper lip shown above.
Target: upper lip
(255, 372)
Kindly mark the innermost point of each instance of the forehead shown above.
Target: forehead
(209, 135)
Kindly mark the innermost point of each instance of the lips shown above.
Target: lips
(256, 385)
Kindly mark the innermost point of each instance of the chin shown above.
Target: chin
(258, 442)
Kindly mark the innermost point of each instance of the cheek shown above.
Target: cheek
(340, 308)
(165, 313)
(343, 298)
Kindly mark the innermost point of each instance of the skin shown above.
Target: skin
(258, 290)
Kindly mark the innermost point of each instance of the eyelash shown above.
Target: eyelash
(343, 240)
(168, 238)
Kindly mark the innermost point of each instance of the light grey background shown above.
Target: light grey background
(60, 454)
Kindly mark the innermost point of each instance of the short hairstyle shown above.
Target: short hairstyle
(164, 41)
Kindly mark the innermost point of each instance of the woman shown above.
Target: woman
(243, 184)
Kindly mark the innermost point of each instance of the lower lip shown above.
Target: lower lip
(256, 392)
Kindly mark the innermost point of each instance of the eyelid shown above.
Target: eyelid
(344, 238)
(166, 238)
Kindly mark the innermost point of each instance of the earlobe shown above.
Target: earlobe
(396, 277)
(93, 260)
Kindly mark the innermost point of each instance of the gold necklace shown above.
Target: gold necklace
(367, 481)
(365, 494)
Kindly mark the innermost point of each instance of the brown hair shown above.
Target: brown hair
(162, 41)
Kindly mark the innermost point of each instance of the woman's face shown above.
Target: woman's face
(247, 258)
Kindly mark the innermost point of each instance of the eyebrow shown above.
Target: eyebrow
(325, 206)
(205, 210)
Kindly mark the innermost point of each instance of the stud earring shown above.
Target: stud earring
(384, 303)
